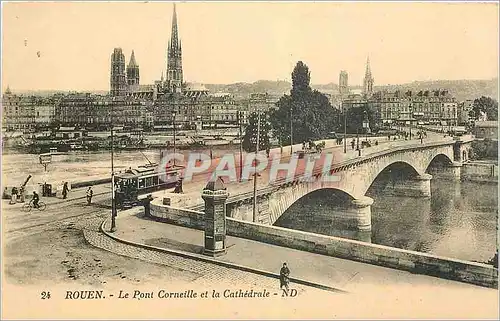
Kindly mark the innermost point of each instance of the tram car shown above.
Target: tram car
(134, 183)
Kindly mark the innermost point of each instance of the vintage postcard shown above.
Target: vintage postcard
(249, 160)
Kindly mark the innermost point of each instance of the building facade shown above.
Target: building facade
(427, 106)
(98, 112)
(27, 113)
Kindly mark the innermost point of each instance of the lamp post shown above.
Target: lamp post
(345, 128)
(291, 131)
(366, 125)
(411, 117)
(240, 115)
(357, 138)
(254, 210)
(173, 122)
(113, 198)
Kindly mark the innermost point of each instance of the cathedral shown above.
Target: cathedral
(125, 81)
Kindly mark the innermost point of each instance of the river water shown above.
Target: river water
(458, 221)
(80, 165)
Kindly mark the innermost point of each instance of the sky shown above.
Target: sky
(68, 45)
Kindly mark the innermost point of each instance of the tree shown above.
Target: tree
(306, 112)
(250, 136)
(486, 105)
(356, 116)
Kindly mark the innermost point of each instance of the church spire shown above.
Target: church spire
(368, 71)
(175, 32)
(132, 62)
(368, 80)
(174, 57)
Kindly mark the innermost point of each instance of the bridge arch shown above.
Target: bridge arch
(394, 173)
(405, 167)
(438, 161)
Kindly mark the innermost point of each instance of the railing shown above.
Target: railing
(381, 150)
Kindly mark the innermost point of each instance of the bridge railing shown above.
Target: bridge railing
(374, 152)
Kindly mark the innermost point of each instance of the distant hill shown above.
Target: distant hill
(461, 89)
(46, 93)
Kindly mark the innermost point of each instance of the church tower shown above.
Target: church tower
(118, 79)
(343, 83)
(174, 58)
(132, 74)
(368, 81)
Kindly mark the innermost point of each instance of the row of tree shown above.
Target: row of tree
(304, 115)
(486, 105)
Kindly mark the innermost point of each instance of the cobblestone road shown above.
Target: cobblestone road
(208, 275)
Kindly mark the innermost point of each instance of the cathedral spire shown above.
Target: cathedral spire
(368, 71)
(174, 57)
(175, 32)
(368, 80)
(132, 62)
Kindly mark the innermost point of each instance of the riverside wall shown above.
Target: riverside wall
(415, 262)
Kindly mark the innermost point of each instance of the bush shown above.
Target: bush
(484, 149)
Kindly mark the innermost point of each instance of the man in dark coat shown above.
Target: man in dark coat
(35, 199)
(65, 190)
(284, 276)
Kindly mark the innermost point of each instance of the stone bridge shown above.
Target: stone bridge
(404, 170)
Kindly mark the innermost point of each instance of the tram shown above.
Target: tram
(133, 183)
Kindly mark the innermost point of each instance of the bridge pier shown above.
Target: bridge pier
(418, 186)
(357, 214)
(452, 171)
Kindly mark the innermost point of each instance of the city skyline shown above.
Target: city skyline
(219, 42)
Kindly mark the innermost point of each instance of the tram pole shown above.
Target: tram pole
(113, 199)
(255, 170)
(173, 116)
(240, 114)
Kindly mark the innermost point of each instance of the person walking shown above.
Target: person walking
(284, 277)
(90, 193)
(13, 196)
(65, 190)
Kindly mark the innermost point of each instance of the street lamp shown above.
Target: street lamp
(255, 170)
(345, 128)
(291, 130)
(113, 198)
(366, 125)
(240, 115)
(411, 117)
(173, 122)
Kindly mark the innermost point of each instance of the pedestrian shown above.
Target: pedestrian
(284, 277)
(352, 143)
(65, 190)
(90, 193)
(268, 151)
(178, 186)
(13, 196)
(35, 199)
